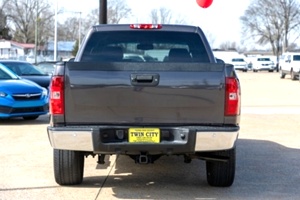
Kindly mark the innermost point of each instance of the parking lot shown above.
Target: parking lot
(268, 152)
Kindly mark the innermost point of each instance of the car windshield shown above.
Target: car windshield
(263, 59)
(237, 60)
(23, 68)
(6, 74)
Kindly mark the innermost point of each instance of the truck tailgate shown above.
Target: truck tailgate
(144, 93)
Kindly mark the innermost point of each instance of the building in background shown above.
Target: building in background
(20, 51)
(14, 50)
(64, 50)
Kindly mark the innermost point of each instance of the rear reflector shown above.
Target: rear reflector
(145, 26)
(57, 95)
(232, 98)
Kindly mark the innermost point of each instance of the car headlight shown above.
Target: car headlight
(45, 92)
(3, 94)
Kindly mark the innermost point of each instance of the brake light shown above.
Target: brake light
(232, 98)
(57, 95)
(145, 26)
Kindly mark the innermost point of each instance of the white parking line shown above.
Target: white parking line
(271, 110)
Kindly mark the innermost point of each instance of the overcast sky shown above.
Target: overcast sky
(221, 20)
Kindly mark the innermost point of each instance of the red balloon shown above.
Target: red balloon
(204, 3)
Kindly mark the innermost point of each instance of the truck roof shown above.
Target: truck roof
(164, 27)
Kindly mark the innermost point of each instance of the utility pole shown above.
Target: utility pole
(55, 32)
(36, 32)
(102, 11)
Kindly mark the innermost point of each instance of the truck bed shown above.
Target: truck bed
(144, 93)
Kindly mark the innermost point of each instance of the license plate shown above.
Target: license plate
(144, 135)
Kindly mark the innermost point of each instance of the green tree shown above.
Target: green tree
(4, 29)
(4, 34)
(75, 48)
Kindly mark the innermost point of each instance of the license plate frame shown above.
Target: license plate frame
(144, 135)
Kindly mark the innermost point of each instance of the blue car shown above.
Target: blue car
(21, 97)
(27, 70)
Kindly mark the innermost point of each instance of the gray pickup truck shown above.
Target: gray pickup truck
(145, 91)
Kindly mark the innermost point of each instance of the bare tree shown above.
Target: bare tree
(161, 15)
(154, 16)
(291, 12)
(23, 15)
(70, 33)
(164, 16)
(45, 25)
(91, 19)
(271, 22)
(228, 46)
(292, 47)
(211, 38)
(116, 11)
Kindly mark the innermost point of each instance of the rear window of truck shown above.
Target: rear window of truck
(145, 46)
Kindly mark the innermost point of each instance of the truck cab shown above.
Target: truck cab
(290, 65)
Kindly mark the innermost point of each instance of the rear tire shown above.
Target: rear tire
(293, 76)
(68, 167)
(221, 174)
(282, 75)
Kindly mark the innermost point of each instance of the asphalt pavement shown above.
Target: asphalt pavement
(267, 157)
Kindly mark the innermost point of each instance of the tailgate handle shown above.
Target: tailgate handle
(144, 79)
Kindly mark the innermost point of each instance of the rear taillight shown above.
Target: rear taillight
(232, 98)
(146, 26)
(57, 95)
